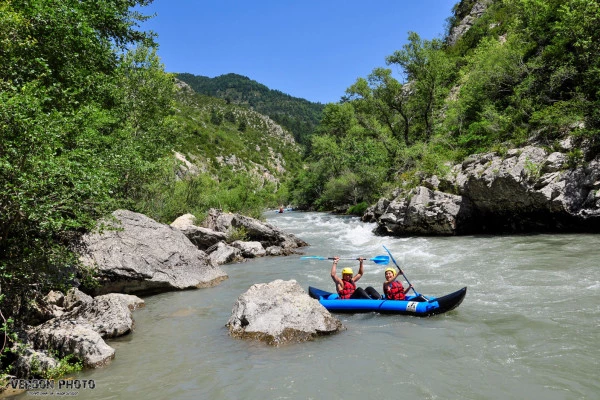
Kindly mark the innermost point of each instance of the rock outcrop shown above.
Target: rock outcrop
(136, 254)
(467, 22)
(255, 230)
(280, 312)
(79, 329)
(423, 211)
(214, 233)
(526, 190)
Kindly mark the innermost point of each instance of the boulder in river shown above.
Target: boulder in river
(203, 238)
(136, 254)
(280, 312)
(222, 253)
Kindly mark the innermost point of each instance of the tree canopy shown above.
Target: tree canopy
(79, 118)
(89, 122)
(525, 71)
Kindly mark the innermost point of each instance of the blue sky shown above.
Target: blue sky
(312, 49)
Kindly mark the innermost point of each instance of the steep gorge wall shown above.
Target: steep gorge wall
(525, 190)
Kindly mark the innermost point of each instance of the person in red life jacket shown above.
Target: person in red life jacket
(346, 287)
(392, 288)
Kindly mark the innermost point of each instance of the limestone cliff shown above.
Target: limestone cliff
(525, 190)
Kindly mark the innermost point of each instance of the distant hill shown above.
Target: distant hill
(218, 136)
(299, 116)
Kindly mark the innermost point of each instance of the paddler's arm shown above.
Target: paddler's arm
(334, 276)
(360, 270)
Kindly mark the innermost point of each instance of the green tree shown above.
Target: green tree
(337, 119)
(61, 134)
(383, 96)
(147, 92)
(430, 71)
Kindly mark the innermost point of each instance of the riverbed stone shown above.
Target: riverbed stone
(255, 230)
(55, 297)
(69, 337)
(280, 312)
(81, 330)
(203, 238)
(32, 362)
(76, 298)
(222, 253)
(109, 315)
(250, 249)
(138, 255)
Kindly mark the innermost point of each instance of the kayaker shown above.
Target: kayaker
(346, 287)
(392, 288)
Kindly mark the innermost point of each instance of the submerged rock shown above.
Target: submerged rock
(280, 312)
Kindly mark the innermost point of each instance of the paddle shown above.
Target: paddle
(402, 272)
(382, 260)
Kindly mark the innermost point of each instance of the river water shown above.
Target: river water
(527, 329)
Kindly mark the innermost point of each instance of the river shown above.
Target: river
(527, 329)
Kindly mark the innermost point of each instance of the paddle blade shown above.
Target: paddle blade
(391, 256)
(382, 260)
(313, 258)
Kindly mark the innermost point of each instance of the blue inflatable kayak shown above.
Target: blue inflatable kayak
(413, 305)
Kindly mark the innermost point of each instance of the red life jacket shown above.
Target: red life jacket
(348, 290)
(394, 291)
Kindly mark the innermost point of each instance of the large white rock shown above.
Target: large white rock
(139, 255)
(280, 312)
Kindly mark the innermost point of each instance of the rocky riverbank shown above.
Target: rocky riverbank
(530, 189)
(134, 255)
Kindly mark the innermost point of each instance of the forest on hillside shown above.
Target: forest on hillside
(299, 116)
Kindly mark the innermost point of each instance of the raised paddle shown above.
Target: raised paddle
(382, 260)
(402, 272)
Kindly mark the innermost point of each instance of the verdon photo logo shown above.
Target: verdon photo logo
(52, 387)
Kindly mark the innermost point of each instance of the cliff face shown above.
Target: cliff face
(525, 190)
(467, 22)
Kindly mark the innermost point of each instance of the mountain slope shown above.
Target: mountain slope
(227, 156)
(299, 116)
(216, 133)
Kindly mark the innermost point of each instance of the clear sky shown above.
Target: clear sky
(312, 49)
